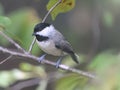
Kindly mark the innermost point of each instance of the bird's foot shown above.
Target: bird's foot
(42, 58)
(59, 61)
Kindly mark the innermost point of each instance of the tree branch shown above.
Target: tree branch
(32, 44)
(61, 66)
(12, 42)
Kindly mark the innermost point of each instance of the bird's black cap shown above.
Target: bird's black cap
(41, 26)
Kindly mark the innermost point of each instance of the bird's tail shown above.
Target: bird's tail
(74, 57)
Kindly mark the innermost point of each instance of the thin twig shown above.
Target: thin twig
(32, 44)
(61, 66)
(13, 42)
(51, 9)
(6, 59)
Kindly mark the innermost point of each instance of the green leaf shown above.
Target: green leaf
(4, 21)
(71, 82)
(64, 6)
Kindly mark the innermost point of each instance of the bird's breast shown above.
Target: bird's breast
(49, 47)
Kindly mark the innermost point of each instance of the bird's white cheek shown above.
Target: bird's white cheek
(46, 31)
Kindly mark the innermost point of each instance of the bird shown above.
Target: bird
(52, 42)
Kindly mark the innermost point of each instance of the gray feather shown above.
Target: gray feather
(64, 45)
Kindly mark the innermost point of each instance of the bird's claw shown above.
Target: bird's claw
(58, 62)
(42, 58)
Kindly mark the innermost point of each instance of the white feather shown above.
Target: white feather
(49, 47)
(46, 31)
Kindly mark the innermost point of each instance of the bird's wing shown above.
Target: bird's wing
(64, 46)
(61, 42)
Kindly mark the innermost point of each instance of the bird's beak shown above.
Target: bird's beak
(33, 34)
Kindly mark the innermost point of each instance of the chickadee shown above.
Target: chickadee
(52, 42)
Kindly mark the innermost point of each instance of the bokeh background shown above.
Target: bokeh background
(93, 29)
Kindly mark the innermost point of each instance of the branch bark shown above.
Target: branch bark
(61, 66)
(12, 42)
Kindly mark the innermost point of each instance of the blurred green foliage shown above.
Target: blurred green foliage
(23, 22)
(11, 76)
(71, 82)
(106, 65)
(4, 23)
(19, 26)
(108, 19)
